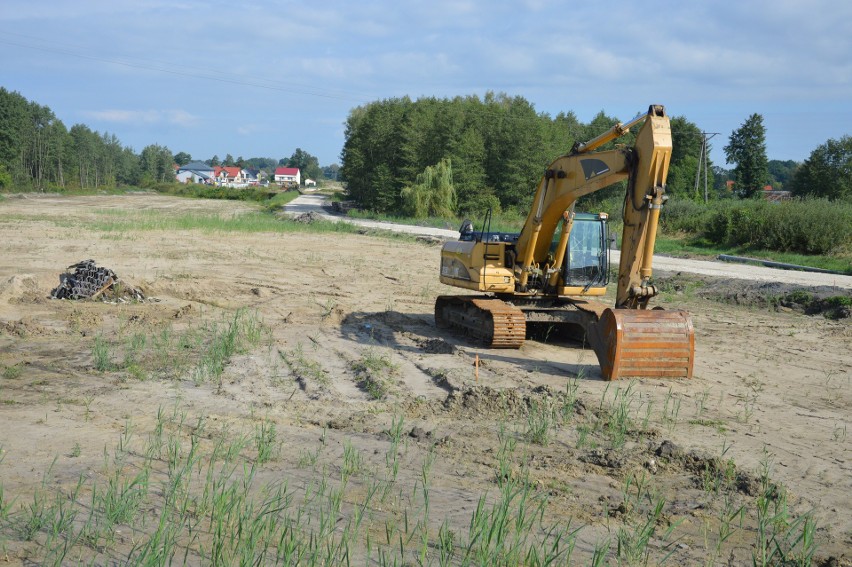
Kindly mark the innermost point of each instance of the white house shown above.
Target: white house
(288, 176)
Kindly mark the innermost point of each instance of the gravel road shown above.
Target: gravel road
(314, 203)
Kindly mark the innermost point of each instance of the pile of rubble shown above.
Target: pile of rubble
(86, 280)
(309, 217)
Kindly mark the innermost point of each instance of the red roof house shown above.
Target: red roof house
(288, 176)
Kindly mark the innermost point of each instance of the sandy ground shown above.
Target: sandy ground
(770, 389)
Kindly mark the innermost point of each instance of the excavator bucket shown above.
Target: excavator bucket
(637, 343)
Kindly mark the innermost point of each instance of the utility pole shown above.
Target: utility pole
(703, 162)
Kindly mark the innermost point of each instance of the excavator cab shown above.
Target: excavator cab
(587, 258)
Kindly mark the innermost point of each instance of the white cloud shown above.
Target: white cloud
(248, 129)
(175, 117)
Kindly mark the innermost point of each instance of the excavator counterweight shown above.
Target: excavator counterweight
(553, 270)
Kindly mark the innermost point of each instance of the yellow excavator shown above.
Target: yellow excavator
(559, 263)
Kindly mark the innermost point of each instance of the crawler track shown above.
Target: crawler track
(491, 321)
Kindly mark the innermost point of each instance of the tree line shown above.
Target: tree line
(38, 152)
(424, 156)
(467, 154)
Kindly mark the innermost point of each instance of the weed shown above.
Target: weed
(119, 502)
(781, 540)
(265, 441)
(727, 514)
(87, 402)
(616, 414)
(352, 461)
(700, 402)
(226, 341)
(540, 422)
(304, 370)
(572, 387)
(374, 370)
(35, 517)
(748, 406)
(126, 436)
(839, 433)
(308, 458)
(12, 372)
(101, 354)
(446, 544)
(600, 553)
(136, 344)
(632, 540)
(327, 309)
(671, 409)
(717, 424)
(504, 455)
(395, 430)
(583, 431)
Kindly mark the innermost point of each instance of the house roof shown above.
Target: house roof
(286, 171)
(196, 166)
(229, 171)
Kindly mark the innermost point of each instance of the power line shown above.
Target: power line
(703, 161)
(197, 73)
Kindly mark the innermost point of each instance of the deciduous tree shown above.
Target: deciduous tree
(182, 158)
(827, 172)
(432, 194)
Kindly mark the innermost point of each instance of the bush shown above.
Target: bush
(683, 215)
(257, 194)
(809, 226)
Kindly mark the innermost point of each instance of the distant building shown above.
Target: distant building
(195, 172)
(774, 195)
(230, 176)
(289, 176)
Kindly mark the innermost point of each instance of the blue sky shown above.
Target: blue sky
(261, 78)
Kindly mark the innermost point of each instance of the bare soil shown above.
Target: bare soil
(772, 389)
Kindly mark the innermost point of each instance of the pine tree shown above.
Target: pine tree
(747, 148)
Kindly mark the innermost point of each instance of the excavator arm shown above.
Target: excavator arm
(583, 171)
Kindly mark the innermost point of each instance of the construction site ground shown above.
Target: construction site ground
(348, 350)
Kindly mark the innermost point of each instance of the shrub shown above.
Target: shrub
(683, 215)
(258, 194)
(809, 226)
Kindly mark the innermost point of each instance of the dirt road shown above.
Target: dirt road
(315, 203)
(340, 391)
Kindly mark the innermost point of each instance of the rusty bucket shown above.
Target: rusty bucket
(634, 343)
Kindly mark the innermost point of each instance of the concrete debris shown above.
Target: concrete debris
(309, 217)
(87, 280)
